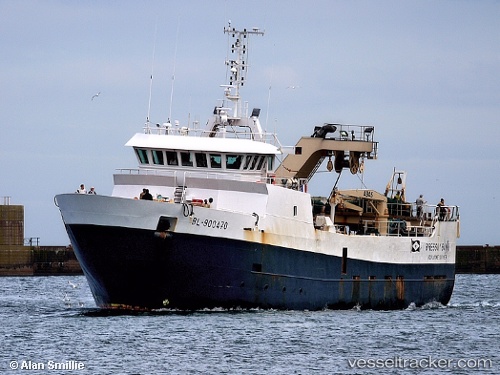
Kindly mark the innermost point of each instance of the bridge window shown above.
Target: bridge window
(186, 159)
(262, 159)
(248, 159)
(254, 161)
(172, 158)
(215, 161)
(233, 161)
(270, 161)
(157, 157)
(201, 159)
(142, 155)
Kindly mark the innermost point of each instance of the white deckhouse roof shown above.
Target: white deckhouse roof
(207, 144)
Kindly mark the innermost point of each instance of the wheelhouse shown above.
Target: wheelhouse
(204, 160)
(179, 153)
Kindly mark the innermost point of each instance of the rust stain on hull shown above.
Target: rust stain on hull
(400, 288)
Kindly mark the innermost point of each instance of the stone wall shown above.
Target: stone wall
(478, 259)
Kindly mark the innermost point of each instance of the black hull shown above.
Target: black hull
(136, 269)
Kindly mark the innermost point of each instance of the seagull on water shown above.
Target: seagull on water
(72, 284)
(95, 95)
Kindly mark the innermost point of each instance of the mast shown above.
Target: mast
(238, 65)
(229, 114)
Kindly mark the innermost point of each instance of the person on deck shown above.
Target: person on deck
(442, 210)
(420, 205)
(147, 195)
(82, 190)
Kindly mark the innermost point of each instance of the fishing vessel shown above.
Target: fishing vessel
(229, 221)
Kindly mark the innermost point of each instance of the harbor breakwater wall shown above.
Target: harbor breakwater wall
(24, 257)
(39, 261)
(478, 259)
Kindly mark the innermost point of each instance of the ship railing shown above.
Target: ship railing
(443, 213)
(182, 175)
(397, 228)
(426, 212)
(352, 132)
(344, 132)
(299, 184)
(145, 172)
(224, 132)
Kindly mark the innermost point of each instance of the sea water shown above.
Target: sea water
(50, 325)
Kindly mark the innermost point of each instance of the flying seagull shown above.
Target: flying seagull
(95, 95)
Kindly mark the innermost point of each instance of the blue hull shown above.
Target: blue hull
(134, 269)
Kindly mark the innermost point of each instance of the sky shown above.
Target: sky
(425, 74)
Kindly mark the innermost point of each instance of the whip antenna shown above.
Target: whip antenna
(173, 72)
(151, 77)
